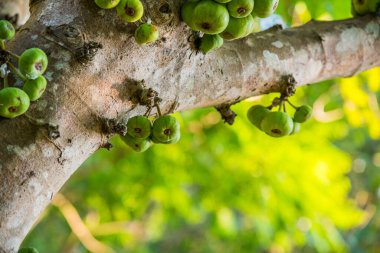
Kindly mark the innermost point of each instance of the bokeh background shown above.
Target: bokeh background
(234, 189)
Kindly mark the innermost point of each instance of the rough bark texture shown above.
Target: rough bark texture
(34, 165)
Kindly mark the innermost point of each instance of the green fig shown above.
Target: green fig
(256, 115)
(256, 24)
(265, 8)
(33, 63)
(139, 127)
(277, 124)
(35, 88)
(240, 8)
(360, 7)
(165, 129)
(7, 31)
(303, 113)
(28, 250)
(138, 145)
(210, 17)
(174, 140)
(187, 10)
(238, 28)
(13, 102)
(210, 42)
(107, 4)
(130, 10)
(296, 128)
(146, 33)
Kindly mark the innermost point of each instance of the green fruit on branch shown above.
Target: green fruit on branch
(174, 140)
(277, 124)
(146, 33)
(187, 10)
(107, 4)
(33, 63)
(130, 10)
(265, 8)
(240, 8)
(363, 7)
(138, 145)
(7, 31)
(28, 250)
(139, 127)
(238, 28)
(303, 114)
(165, 129)
(256, 24)
(256, 115)
(13, 102)
(296, 128)
(210, 42)
(35, 88)
(210, 17)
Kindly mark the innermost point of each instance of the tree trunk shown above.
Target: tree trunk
(39, 151)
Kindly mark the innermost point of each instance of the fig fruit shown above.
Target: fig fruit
(107, 4)
(277, 124)
(139, 127)
(210, 17)
(33, 63)
(187, 10)
(146, 33)
(265, 8)
(256, 115)
(240, 8)
(130, 10)
(210, 42)
(7, 31)
(303, 113)
(35, 88)
(13, 102)
(165, 129)
(296, 128)
(138, 145)
(238, 28)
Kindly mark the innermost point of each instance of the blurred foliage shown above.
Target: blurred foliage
(234, 189)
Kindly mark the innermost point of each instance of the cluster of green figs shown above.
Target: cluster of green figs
(278, 123)
(221, 20)
(132, 11)
(32, 64)
(141, 133)
(363, 7)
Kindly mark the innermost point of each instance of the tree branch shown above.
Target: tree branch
(34, 165)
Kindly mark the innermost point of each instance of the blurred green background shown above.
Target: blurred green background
(234, 189)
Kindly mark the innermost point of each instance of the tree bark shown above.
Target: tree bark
(35, 162)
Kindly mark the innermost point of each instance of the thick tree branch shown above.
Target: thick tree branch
(35, 162)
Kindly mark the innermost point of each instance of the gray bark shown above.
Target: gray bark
(34, 165)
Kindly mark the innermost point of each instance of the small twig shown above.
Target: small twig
(2, 45)
(17, 72)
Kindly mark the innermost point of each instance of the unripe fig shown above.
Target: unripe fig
(28, 250)
(146, 33)
(265, 8)
(107, 4)
(130, 10)
(238, 28)
(210, 17)
(187, 10)
(210, 43)
(139, 127)
(13, 102)
(256, 115)
(256, 24)
(240, 8)
(277, 124)
(33, 63)
(35, 88)
(138, 145)
(360, 7)
(296, 128)
(303, 114)
(165, 129)
(175, 139)
(7, 31)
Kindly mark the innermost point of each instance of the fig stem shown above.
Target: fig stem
(17, 72)
(158, 110)
(6, 84)
(295, 107)
(17, 57)
(2, 45)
